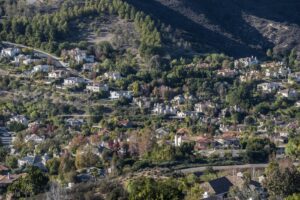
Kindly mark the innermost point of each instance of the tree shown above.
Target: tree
(53, 166)
(282, 181)
(194, 193)
(16, 127)
(103, 50)
(293, 197)
(67, 165)
(33, 183)
(86, 158)
(148, 188)
(258, 150)
(56, 192)
(244, 192)
(11, 161)
(293, 147)
(3, 153)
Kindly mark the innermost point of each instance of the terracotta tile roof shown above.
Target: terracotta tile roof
(3, 168)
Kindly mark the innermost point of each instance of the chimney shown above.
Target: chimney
(8, 176)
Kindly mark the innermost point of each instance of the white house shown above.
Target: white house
(204, 107)
(288, 93)
(20, 119)
(120, 94)
(142, 102)
(57, 74)
(27, 160)
(112, 75)
(97, 87)
(34, 138)
(229, 73)
(271, 73)
(268, 87)
(10, 52)
(162, 109)
(245, 62)
(74, 122)
(73, 81)
(161, 132)
(179, 99)
(19, 58)
(41, 68)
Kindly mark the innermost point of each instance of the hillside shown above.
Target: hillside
(236, 27)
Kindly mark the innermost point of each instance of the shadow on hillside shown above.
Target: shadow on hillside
(233, 35)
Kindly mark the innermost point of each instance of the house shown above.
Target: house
(250, 75)
(10, 52)
(45, 159)
(190, 98)
(288, 93)
(19, 58)
(80, 56)
(203, 143)
(277, 72)
(181, 114)
(272, 64)
(28, 161)
(3, 169)
(73, 81)
(6, 137)
(228, 139)
(74, 122)
(228, 73)
(204, 107)
(6, 180)
(271, 73)
(245, 62)
(19, 119)
(34, 138)
(219, 188)
(161, 132)
(162, 109)
(120, 94)
(90, 59)
(179, 99)
(125, 123)
(112, 75)
(29, 61)
(97, 87)
(57, 74)
(41, 68)
(284, 71)
(89, 66)
(142, 102)
(294, 77)
(268, 87)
